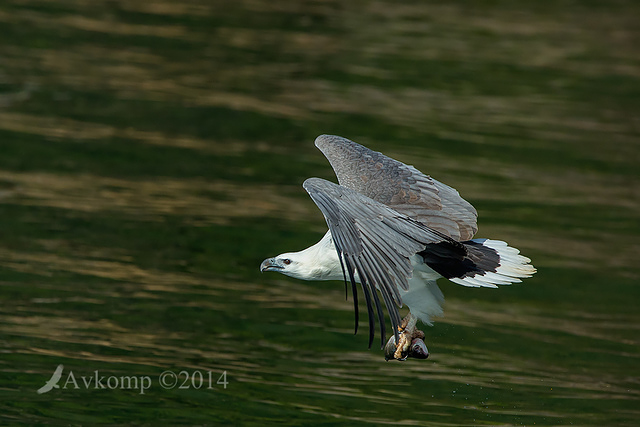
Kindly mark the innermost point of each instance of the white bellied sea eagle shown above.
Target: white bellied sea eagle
(395, 230)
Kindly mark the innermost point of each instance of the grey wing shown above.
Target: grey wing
(376, 243)
(400, 186)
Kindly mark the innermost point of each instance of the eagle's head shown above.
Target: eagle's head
(291, 264)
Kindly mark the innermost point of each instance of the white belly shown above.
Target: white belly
(424, 297)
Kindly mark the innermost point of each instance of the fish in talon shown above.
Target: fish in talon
(418, 349)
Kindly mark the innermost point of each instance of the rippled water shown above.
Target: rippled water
(151, 155)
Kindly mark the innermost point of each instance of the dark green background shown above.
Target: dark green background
(152, 155)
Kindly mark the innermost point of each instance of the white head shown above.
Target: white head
(293, 264)
(318, 262)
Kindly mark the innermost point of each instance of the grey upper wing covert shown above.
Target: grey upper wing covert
(373, 241)
(400, 186)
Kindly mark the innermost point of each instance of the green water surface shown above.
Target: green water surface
(152, 155)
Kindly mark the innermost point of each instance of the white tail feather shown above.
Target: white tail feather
(512, 268)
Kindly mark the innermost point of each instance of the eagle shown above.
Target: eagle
(396, 231)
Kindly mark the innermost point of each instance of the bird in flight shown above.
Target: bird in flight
(53, 381)
(396, 231)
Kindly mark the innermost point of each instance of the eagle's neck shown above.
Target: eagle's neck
(321, 261)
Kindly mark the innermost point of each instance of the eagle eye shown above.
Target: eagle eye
(287, 261)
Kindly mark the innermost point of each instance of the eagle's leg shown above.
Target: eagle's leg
(405, 329)
(410, 344)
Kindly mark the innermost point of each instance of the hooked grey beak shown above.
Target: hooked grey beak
(271, 264)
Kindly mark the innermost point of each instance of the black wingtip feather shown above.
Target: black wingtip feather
(354, 289)
(367, 281)
(375, 275)
(393, 314)
(367, 295)
(383, 331)
(353, 286)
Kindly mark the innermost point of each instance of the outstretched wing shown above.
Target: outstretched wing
(374, 243)
(399, 186)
